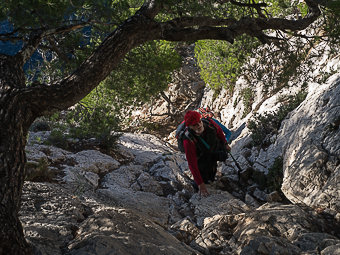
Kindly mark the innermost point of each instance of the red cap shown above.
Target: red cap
(191, 118)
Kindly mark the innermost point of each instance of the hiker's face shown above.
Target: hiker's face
(198, 128)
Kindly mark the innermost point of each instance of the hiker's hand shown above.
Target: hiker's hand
(227, 147)
(203, 190)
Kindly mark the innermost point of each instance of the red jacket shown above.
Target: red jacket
(190, 153)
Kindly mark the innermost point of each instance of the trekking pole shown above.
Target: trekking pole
(238, 166)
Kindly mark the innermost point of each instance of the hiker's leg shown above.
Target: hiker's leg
(204, 168)
(207, 166)
(209, 172)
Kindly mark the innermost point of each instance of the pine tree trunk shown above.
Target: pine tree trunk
(15, 120)
(12, 162)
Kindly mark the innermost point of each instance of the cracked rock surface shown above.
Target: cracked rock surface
(312, 151)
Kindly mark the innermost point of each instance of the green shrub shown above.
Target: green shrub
(259, 178)
(57, 138)
(248, 98)
(275, 175)
(97, 123)
(40, 125)
(83, 123)
(262, 126)
(96, 116)
(38, 171)
(221, 62)
(273, 180)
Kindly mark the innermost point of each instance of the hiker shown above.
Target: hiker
(207, 113)
(204, 145)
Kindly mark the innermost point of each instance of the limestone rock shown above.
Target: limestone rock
(216, 233)
(147, 204)
(57, 222)
(129, 209)
(54, 155)
(185, 230)
(330, 250)
(119, 231)
(144, 148)
(270, 229)
(95, 161)
(284, 229)
(312, 152)
(218, 202)
(148, 184)
(50, 216)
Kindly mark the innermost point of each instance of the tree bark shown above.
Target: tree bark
(15, 119)
(12, 163)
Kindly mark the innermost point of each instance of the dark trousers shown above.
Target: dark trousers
(208, 168)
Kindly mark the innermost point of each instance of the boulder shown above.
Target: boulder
(57, 222)
(270, 229)
(120, 231)
(50, 216)
(312, 149)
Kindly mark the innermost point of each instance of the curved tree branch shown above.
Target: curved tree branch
(181, 29)
(201, 33)
(251, 5)
(141, 28)
(198, 21)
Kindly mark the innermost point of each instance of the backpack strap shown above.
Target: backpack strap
(199, 141)
(204, 142)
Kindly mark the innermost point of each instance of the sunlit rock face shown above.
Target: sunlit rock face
(57, 220)
(148, 206)
(270, 229)
(312, 151)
